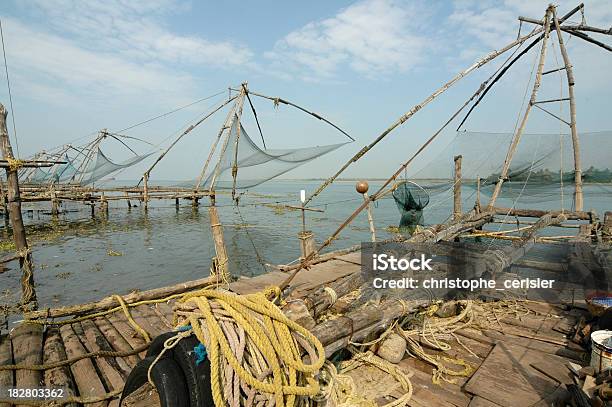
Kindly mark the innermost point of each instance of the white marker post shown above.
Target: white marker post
(303, 200)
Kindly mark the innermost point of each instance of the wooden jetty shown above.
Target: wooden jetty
(518, 359)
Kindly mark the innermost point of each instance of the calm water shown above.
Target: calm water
(166, 245)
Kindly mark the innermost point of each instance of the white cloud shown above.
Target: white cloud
(371, 37)
(109, 48)
(483, 26)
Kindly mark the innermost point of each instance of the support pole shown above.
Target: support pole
(578, 199)
(54, 203)
(477, 204)
(145, 191)
(457, 189)
(606, 228)
(28, 298)
(221, 253)
(362, 188)
(517, 137)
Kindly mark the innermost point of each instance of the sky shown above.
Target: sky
(76, 67)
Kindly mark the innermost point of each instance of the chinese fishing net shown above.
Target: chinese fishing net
(94, 170)
(541, 171)
(254, 165)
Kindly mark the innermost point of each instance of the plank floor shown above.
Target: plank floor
(516, 352)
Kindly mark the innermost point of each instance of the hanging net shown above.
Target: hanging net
(99, 167)
(254, 165)
(410, 199)
(542, 169)
(102, 167)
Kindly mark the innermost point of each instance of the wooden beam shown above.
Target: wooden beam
(519, 132)
(28, 293)
(111, 302)
(578, 199)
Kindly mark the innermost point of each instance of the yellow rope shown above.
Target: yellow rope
(270, 332)
(126, 312)
(120, 307)
(14, 164)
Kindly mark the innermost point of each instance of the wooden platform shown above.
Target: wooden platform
(30, 344)
(510, 358)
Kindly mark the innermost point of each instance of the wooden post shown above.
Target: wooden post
(606, 228)
(477, 206)
(176, 203)
(145, 191)
(519, 132)
(307, 243)
(362, 188)
(457, 189)
(221, 253)
(104, 204)
(127, 198)
(54, 203)
(578, 200)
(14, 207)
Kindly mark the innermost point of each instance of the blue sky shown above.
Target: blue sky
(79, 66)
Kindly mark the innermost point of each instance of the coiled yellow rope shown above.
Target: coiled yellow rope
(273, 340)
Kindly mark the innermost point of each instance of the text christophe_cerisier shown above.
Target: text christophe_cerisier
(386, 262)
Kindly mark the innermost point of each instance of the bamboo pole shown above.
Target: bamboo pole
(28, 297)
(578, 198)
(366, 198)
(226, 126)
(457, 189)
(238, 131)
(221, 253)
(145, 190)
(217, 171)
(184, 133)
(521, 128)
(111, 302)
(416, 108)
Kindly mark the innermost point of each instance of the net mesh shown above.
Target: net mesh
(541, 170)
(95, 169)
(410, 199)
(255, 165)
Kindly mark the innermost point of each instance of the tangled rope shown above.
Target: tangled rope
(340, 389)
(255, 351)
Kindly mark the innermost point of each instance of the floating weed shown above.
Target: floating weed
(7, 245)
(112, 252)
(63, 276)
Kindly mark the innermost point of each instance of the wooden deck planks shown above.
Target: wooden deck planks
(85, 374)
(6, 358)
(116, 369)
(506, 377)
(54, 351)
(126, 331)
(116, 340)
(27, 349)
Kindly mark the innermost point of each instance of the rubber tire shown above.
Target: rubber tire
(167, 377)
(197, 377)
(157, 344)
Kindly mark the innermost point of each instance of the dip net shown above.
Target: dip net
(410, 199)
(81, 169)
(255, 165)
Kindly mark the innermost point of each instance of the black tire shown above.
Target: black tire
(167, 377)
(157, 344)
(197, 377)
